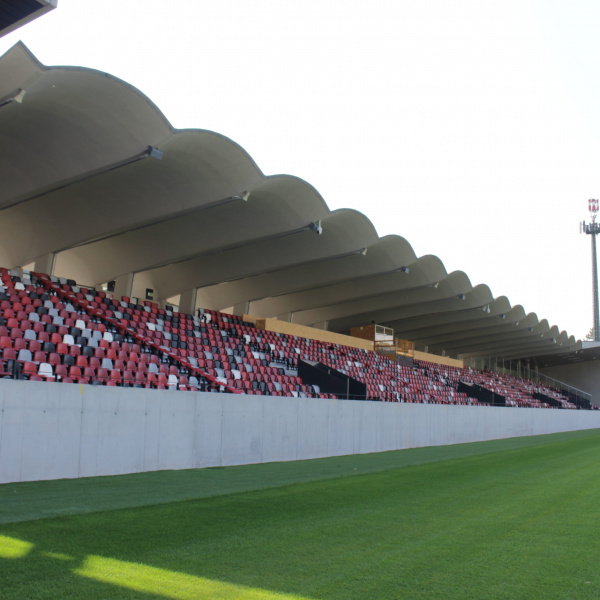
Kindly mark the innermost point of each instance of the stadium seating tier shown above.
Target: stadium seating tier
(53, 330)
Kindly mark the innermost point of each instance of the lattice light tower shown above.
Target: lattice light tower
(593, 229)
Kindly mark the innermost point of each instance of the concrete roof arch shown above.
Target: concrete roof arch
(357, 290)
(279, 274)
(277, 207)
(488, 328)
(426, 326)
(82, 180)
(68, 108)
(422, 300)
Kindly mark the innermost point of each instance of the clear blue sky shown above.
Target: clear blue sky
(470, 128)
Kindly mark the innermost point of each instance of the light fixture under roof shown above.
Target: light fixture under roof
(153, 152)
(14, 97)
(243, 196)
(316, 227)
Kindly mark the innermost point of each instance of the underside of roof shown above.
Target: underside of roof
(93, 173)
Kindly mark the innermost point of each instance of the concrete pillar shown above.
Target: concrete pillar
(187, 301)
(287, 317)
(241, 308)
(44, 264)
(324, 325)
(124, 286)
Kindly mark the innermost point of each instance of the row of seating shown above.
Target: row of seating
(46, 337)
(53, 330)
(77, 348)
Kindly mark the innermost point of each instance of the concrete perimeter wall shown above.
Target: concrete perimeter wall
(53, 431)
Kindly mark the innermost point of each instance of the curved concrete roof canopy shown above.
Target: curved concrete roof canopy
(81, 184)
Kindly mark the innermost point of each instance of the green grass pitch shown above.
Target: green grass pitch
(508, 519)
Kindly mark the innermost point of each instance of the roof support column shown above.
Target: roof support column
(187, 301)
(324, 325)
(45, 264)
(287, 317)
(124, 285)
(241, 308)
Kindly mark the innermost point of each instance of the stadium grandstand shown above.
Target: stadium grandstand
(167, 310)
(140, 257)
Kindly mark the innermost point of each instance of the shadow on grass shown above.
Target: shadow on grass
(112, 578)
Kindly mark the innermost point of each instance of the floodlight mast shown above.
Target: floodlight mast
(593, 229)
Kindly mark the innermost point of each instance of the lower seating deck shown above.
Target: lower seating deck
(53, 330)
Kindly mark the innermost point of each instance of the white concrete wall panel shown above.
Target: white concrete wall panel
(340, 434)
(487, 424)
(241, 429)
(313, 427)
(406, 426)
(456, 419)
(88, 448)
(51, 431)
(365, 427)
(12, 434)
(151, 416)
(427, 426)
(386, 427)
(280, 429)
(209, 420)
(53, 435)
(120, 430)
(177, 430)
